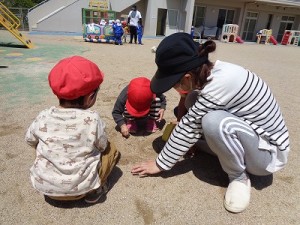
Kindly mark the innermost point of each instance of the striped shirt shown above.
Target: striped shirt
(245, 95)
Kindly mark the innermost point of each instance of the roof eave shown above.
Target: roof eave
(279, 3)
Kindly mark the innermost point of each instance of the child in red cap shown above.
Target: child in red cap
(137, 102)
(73, 155)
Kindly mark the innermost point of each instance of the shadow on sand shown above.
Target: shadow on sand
(207, 168)
(113, 179)
(12, 45)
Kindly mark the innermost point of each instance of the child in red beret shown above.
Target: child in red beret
(137, 102)
(73, 155)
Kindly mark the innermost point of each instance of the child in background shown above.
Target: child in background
(111, 22)
(137, 102)
(140, 33)
(73, 155)
(118, 32)
(102, 22)
(126, 31)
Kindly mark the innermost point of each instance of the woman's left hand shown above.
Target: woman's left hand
(145, 168)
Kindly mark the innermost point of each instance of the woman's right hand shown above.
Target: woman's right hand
(145, 168)
(124, 131)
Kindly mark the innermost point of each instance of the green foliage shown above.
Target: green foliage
(21, 3)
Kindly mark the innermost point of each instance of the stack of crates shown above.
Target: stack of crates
(291, 37)
(263, 36)
(229, 32)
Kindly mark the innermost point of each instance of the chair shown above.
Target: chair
(198, 33)
(210, 32)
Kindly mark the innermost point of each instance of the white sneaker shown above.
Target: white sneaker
(237, 197)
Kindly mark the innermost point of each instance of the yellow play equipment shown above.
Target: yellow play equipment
(12, 23)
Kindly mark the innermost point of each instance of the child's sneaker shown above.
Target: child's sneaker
(132, 127)
(151, 126)
(94, 196)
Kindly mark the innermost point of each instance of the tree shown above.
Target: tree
(21, 3)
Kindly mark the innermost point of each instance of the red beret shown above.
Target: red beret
(139, 97)
(74, 77)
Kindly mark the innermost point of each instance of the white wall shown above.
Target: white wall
(45, 9)
(185, 8)
(121, 5)
(277, 12)
(212, 10)
(241, 8)
(69, 19)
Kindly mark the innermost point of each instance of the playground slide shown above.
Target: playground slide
(273, 40)
(239, 40)
(11, 23)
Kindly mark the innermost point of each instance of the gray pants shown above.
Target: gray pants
(235, 143)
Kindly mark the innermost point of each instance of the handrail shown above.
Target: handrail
(50, 14)
(13, 19)
(55, 12)
(41, 3)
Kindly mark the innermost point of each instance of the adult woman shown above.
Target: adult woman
(235, 112)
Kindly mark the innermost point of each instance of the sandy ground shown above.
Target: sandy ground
(191, 193)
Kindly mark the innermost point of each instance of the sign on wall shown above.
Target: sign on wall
(99, 4)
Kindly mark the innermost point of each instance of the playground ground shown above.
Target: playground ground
(191, 193)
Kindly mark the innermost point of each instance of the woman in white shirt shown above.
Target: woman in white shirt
(235, 112)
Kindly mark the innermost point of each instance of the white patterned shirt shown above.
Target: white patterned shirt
(68, 145)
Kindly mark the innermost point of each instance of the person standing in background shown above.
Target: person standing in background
(134, 17)
(140, 31)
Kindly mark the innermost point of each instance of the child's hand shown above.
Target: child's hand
(161, 115)
(124, 131)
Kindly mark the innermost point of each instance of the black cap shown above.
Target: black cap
(175, 55)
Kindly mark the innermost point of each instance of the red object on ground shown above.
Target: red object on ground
(239, 40)
(273, 40)
(285, 38)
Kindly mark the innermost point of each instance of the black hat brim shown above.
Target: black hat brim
(161, 83)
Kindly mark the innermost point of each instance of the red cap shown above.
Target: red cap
(139, 97)
(74, 77)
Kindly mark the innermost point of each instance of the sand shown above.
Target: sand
(191, 193)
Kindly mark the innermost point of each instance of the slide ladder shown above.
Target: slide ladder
(12, 23)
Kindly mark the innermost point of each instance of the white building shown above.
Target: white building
(164, 17)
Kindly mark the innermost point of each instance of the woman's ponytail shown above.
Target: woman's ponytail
(206, 48)
(204, 70)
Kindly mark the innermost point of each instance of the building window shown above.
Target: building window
(225, 16)
(270, 18)
(249, 26)
(173, 18)
(286, 23)
(199, 15)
